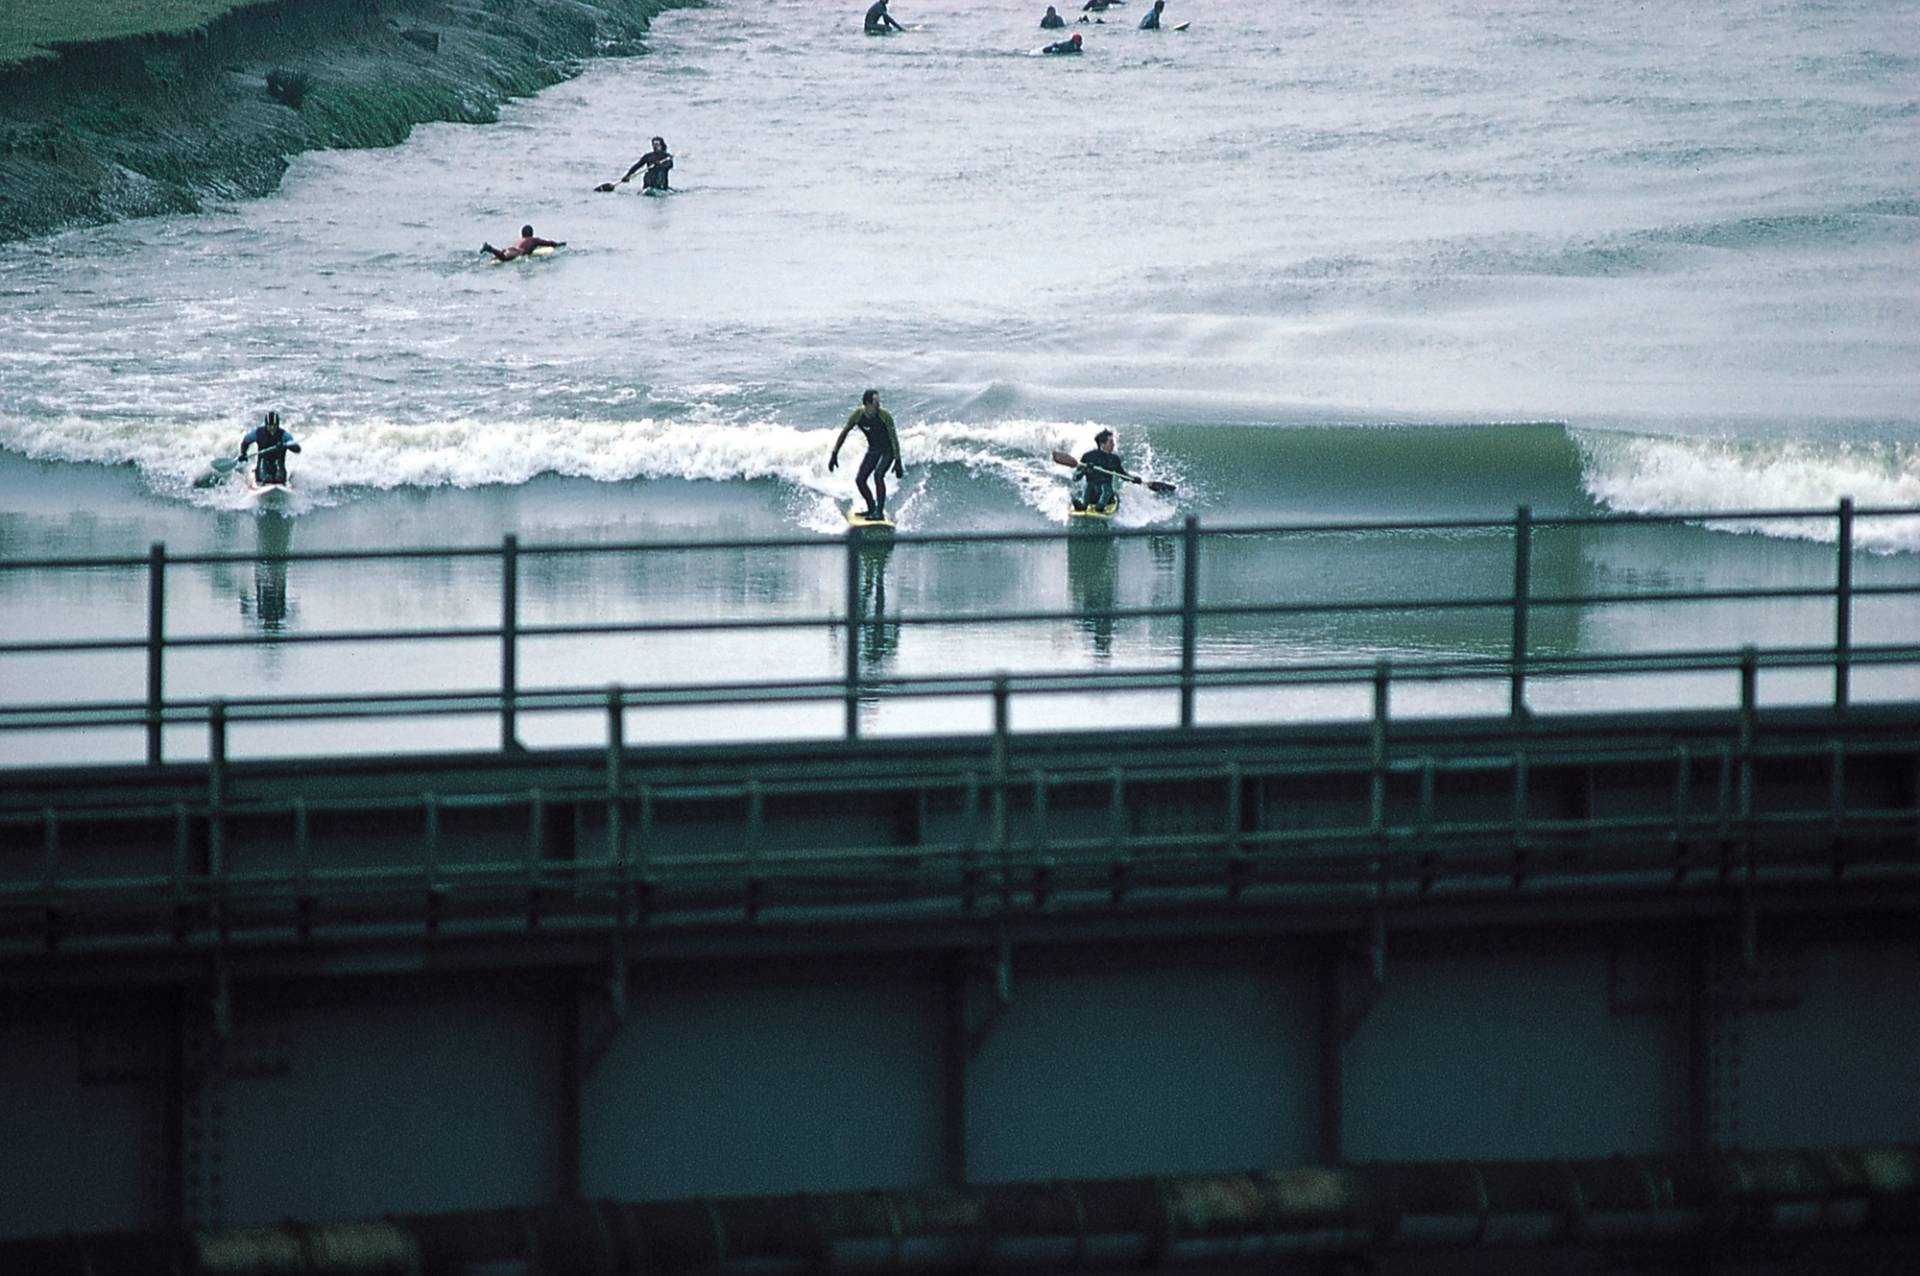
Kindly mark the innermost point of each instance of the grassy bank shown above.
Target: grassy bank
(30, 28)
(158, 123)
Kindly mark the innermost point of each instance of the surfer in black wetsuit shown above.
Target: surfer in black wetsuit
(274, 442)
(1098, 6)
(658, 164)
(1093, 481)
(1052, 20)
(1150, 21)
(879, 21)
(883, 450)
(1069, 45)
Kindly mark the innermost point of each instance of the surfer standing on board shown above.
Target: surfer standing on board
(274, 442)
(879, 21)
(527, 242)
(883, 450)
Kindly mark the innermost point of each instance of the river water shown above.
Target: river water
(1314, 263)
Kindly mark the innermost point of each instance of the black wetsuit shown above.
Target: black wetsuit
(658, 164)
(1065, 46)
(270, 464)
(1100, 489)
(1051, 21)
(878, 19)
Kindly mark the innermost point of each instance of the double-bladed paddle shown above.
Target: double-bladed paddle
(1068, 459)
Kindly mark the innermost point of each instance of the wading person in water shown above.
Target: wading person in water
(273, 442)
(658, 164)
(879, 21)
(1052, 20)
(883, 450)
(527, 242)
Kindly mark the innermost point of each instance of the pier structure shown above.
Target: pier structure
(1612, 989)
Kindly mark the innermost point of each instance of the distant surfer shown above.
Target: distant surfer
(523, 246)
(658, 163)
(879, 21)
(1099, 6)
(1052, 20)
(883, 450)
(1150, 20)
(1093, 481)
(273, 442)
(1069, 45)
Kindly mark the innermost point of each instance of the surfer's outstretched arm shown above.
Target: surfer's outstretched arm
(833, 460)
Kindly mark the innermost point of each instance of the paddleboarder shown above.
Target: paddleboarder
(883, 450)
(658, 163)
(274, 441)
(1093, 481)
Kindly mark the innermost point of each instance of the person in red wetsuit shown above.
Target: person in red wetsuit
(527, 242)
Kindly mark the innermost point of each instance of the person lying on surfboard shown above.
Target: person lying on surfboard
(274, 442)
(1069, 45)
(883, 450)
(1052, 20)
(1093, 481)
(879, 21)
(658, 164)
(1098, 6)
(1150, 20)
(527, 242)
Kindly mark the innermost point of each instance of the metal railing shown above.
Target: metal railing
(1518, 666)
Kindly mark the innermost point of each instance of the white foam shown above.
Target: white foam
(339, 458)
(1647, 475)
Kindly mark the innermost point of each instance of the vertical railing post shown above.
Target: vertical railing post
(1522, 587)
(1189, 613)
(853, 637)
(156, 647)
(216, 791)
(1377, 796)
(1843, 610)
(509, 639)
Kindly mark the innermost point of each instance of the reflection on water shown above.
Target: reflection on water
(267, 608)
(1091, 568)
(879, 636)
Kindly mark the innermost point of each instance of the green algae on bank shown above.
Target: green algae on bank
(158, 123)
(31, 29)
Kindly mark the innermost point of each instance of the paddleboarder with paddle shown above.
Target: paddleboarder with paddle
(274, 441)
(1094, 474)
(658, 163)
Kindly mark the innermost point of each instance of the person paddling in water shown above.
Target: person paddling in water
(521, 247)
(883, 450)
(1069, 45)
(879, 21)
(658, 164)
(1093, 482)
(273, 442)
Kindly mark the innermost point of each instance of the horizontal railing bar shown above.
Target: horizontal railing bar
(576, 699)
(829, 541)
(821, 621)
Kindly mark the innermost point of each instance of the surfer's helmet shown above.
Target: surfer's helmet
(1076, 37)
